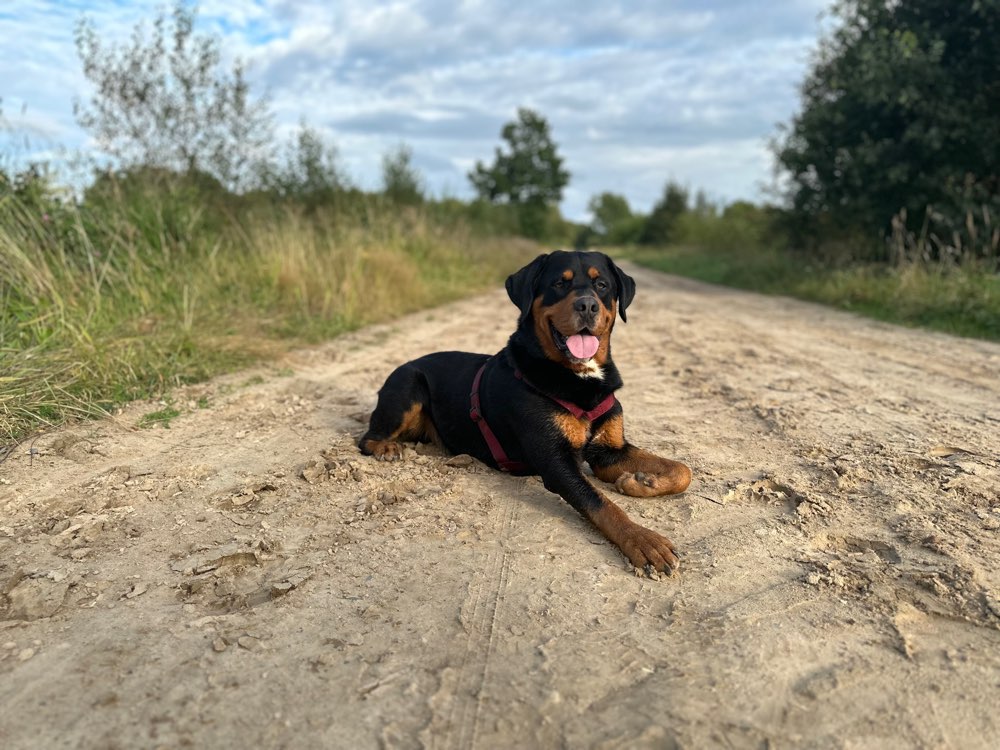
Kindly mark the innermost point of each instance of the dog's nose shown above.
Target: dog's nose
(586, 306)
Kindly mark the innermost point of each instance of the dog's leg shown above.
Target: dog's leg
(647, 550)
(402, 414)
(632, 470)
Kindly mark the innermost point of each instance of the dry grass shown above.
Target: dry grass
(99, 312)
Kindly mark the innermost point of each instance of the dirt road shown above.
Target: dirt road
(246, 579)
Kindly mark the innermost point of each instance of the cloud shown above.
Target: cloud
(636, 92)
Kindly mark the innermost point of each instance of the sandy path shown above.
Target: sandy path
(245, 578)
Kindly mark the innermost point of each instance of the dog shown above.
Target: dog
(542, 405)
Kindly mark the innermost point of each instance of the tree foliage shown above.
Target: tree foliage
(901, 111)
(308, 169)
(163, 100)
(528, 174)
(661, 226)
(609, 211)
(613, 221)
(401, 182)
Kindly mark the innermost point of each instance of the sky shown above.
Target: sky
(636, 93)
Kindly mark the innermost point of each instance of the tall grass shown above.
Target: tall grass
(743, 249)
(132, 293)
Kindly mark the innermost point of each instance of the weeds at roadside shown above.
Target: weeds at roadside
(126, 297)
(162, 417)
(961, 300)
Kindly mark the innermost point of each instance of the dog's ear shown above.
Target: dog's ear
(626, 288)
(521, 286)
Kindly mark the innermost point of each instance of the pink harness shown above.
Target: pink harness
(517, 467)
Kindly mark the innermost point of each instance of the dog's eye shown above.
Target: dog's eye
(560, 284)
(601, 285)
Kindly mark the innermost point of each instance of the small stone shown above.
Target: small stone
(79, 554)
(813, 579)
(943, 451)
(10, 645)
(137, 590)
(355, 640)
(219, 645)
(25, 653)
(314, 471)
(461, 460)
(35, 598)
(244, 498)
(248, 642)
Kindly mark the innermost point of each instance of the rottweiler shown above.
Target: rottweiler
(543, 404)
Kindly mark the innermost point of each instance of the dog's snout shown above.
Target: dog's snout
(587, 306)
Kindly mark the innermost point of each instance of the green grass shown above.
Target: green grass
(958, 300)
(161, 417)
(133, 294)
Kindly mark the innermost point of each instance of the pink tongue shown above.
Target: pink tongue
(583, 347)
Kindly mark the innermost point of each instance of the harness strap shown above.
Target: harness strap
(589, 414)
(476, 414)
(492, 443)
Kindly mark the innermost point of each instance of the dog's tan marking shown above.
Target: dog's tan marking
(411, 425)
(641, 546)
(612, 433)
(576, 431)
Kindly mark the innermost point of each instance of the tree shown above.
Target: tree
(162, 100)
(900, 111)
(308, 171)
(609, 211)
(661, 226)
(401, 183)
(529, 174)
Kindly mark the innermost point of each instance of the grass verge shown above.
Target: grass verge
(98, 308)
(964, 301)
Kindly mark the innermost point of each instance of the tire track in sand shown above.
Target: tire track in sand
(457, 705)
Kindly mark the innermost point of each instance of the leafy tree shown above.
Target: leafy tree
(163, 100)
(309, 169)
(661, 226)
(529, 174)
(609, 210)
(900, 111)
(613, 222)
(702, 205)
(401, 182)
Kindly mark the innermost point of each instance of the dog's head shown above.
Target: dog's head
(569, 301)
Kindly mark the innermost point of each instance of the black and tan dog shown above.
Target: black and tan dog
(542, 405)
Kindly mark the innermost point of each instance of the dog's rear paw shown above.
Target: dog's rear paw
(649, 552)
(383, 450)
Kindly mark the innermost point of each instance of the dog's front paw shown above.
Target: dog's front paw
(638, 484)
(669, 479)
(649, 552)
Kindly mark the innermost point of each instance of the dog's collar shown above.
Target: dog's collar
(580, 413)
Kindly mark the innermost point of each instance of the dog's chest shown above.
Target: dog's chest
(576, 430)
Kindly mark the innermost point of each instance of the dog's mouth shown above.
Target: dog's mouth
(579, 347)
